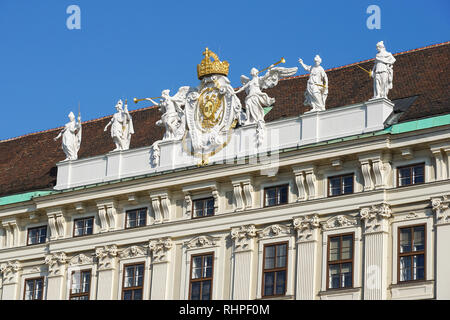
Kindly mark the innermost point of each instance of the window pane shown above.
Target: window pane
(405, 240)
(405, 176)
(206, 290)
(419, 238)
(142, 217)
(78, 227)
(127, 295)
(271, 196)
(139, 276)
(282, 195)
(346, 275)
(268, 283)
(281, 256)
(347, 247)
(281, 282)
(129, 275)
(42, 234)
(335, 186)
(131, 219)
(418, 174)
(333, 273)
(195, 290)
(334, 248)
(348, 184)
(86, 282)
(76, 282)
(196, 267)
(29, 290)
(207, 267)
(269, 261)
(419, 267)
(38, 289)
(405, 268)
(137, 294)
(89, 226)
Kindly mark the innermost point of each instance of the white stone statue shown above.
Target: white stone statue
(256, 100)
(121, 127)
(382, 72)
(173, 118)
(317, 87)
(71, 140)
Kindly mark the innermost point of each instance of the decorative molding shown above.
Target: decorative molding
(306, 228)
(441, 208)
(300, 182)
(161, 205)
(411, 215)
(80, 259)
(133, 252)
(188, 204)
(10, 271)
(365, 169)
(201, 242)
(165, 205)
(80, 207)
(156, 206)
(336, 164)
(61, 224)
(376, 217)
(274, 230)
(106, 256)
(407, 153)
(56, 263)
(111, 212)
(132, 198)
(11, 230)
(243, 237)
(159, 249)
(311, 181)
(340, 221)
(238, 199)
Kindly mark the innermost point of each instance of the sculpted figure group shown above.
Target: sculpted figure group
(215, 101)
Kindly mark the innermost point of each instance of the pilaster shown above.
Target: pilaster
(243, 246)
(11, 232)
(441, 208)
(107, 272)
(57, 263)
(10, 271)
(307, 229)
(376, 237)
(161, 253)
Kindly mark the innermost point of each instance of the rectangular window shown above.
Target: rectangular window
(203, 207)
(411, 253)
(409, 175)
(83, 227)
(133, 282)
(340, 261)
(37, 235)
(80, 285)
(136, 218)
(340, 185)
(34, 289)
(200, 287)
(274, 196)
(274, 270)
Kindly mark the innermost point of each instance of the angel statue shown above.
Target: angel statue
(317, 87)
(382, 72)
(71, 140)
(256, 100)
(121, 127)
(173, 118)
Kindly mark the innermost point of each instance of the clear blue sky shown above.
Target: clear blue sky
(136, 48)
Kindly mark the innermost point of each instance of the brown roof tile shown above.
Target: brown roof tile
(29, 162)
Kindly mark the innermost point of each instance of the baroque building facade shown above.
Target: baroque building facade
(351, 202)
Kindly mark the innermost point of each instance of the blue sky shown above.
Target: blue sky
(137, 48)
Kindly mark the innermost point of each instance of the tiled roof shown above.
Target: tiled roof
(29, 162)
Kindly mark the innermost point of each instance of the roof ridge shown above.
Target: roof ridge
(82, 122)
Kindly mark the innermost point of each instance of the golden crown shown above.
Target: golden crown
(207, 67)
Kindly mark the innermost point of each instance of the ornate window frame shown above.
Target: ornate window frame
(275, 234)
(32, 277)
(82, 262)
(36, 226)
(334, 226)
(135, 254)
(204, 244)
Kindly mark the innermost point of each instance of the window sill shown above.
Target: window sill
(418, 289)
(285, 297)
(341, 294)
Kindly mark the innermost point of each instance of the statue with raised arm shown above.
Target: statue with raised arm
(256, 100)
(121, 127)
(382, 72)
(317, 87)
(71, 137)
(173, 118)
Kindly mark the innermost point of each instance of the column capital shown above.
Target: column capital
(159, 249)
(56, 263)
(441, 209)
(106, 256)
(376, 217)
(10, 271)
(243, 237)
(306, 228)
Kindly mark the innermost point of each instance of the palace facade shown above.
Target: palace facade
(347, 203)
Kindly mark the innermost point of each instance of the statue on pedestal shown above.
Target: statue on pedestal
(382, 72)
(256, 100)
(121, 127)
(317, 87)
(71, 140)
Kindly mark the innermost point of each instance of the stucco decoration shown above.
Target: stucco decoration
(159, 249)
(317, 87)
(71, 137)
(339, 221)
(382, 72)
(274, 230)
(80, 259)
(133, 251)
(201, 241)
(56, 263)
(121, 127)
(10, 271)
(242, 237)
(305, 227)
(106, 256)
(375, 217)
(441, 208)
